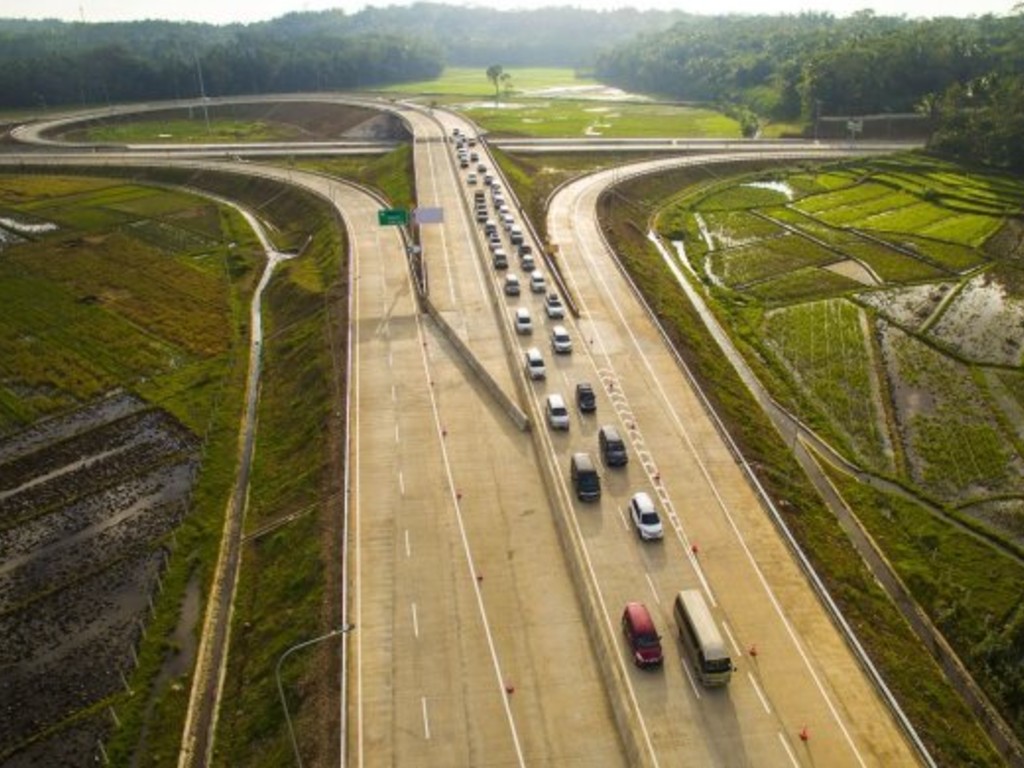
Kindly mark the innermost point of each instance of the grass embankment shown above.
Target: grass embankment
(195, 131)
(391, 175)
(287, 572)
(231, 122)
(283, 596)
(938, 713)
(536, 177)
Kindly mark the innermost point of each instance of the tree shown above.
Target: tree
(495, 72)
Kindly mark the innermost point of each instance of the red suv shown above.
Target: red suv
(643, 638)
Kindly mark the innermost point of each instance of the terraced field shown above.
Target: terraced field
(890, 318)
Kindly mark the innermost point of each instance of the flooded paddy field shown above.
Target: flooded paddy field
(88, 503)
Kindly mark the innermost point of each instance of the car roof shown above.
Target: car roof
(556, 400)
(643, 500)
(640, 618)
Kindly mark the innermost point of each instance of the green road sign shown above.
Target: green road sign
(392, 217)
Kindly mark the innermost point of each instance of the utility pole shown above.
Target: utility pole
(202, 92)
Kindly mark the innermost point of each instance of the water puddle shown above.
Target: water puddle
(775, 186)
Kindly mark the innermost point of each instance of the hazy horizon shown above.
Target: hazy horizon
(263, 10)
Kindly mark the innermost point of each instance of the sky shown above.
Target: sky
(227, 11)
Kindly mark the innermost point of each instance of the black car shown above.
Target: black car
(586, 401)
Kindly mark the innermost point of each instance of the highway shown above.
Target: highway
(485, 597)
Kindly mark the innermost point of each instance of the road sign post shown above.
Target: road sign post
(392, 217)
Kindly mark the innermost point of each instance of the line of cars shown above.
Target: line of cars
(696, 628)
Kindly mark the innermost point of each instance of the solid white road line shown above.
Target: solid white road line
(654, 592)
(789, 751)
(685, 663)
(760, 693)
(732, 640)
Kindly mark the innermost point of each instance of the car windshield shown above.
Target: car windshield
(647, 641)
(649, 518)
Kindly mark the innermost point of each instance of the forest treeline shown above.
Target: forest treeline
(47, 63)
(965, 75)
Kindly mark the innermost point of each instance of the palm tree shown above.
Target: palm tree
(495, 73)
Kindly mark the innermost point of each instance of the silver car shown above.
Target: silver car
(558, 414)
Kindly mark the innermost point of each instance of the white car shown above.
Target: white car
(558, 414)
(645, 517)
(522, 321)
(537, 284)
(554, 306)
(471, 178)
(560, 340)
(535, 364)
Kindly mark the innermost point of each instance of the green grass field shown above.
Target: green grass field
(472, 82)
(218, 130)
(86, 307)
(555, 118)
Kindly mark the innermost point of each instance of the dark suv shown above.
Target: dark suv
(586, 400)
(613, 449)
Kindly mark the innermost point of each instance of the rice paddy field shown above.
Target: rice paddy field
(883, 302)
(854, 266)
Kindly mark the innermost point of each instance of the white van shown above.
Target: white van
(522, 321)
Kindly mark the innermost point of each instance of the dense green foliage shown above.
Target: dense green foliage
(786, 66)
(983, 121)
(49, 63)
(45, 63)
(962, 76)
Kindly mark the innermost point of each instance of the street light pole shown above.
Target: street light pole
(280, 688)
